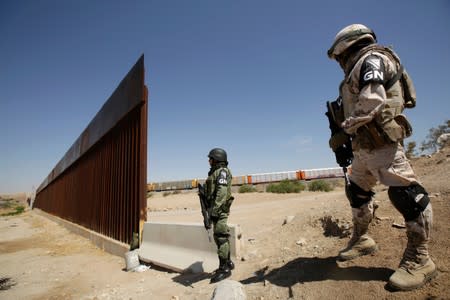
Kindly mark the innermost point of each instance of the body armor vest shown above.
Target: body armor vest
(389, 125)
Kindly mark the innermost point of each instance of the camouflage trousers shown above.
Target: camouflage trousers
(221, 236)
(387, 165)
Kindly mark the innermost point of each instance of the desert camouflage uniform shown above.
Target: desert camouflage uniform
(368, 110)
(385, 162)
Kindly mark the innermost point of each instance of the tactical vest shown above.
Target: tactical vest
(390, 125)
(211, 183)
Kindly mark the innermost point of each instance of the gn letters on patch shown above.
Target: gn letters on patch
(222, 178)
(372, 70)
(376, 75)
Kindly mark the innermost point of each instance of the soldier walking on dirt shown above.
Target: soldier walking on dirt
(368, 129)
(218, 193)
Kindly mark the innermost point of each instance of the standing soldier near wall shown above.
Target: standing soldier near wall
(218, 193)
(368, 113)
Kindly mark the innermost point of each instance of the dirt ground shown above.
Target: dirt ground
(297, 260)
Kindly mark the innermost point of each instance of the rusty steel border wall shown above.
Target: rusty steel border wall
(101, 182)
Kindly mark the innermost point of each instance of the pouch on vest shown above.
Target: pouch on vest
(409, 92)
(397, 128)
(408, 89)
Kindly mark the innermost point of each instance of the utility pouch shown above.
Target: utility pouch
(227, 206)
(376, 136)
(409, 92)
(398, 128)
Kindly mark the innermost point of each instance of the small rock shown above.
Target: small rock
(288, 220)
(397, 225)
(229, 290)
(301, 242)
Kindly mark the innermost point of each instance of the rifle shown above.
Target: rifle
(205, 210)
(340, 142)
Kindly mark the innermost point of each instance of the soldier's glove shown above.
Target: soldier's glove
(341, 144)
(344, 155)
(207, 225)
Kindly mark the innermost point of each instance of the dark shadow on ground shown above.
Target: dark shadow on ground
(187, 279)
(192, 274)
(308, 269)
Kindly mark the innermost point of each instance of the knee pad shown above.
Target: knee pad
(221, 239)
(356, 195)
(410, 200)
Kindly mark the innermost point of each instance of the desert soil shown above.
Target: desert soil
(295, 260)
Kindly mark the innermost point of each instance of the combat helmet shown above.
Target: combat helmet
(349, 36)
(218, 154)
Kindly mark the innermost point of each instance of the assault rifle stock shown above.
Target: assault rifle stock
(205, 209)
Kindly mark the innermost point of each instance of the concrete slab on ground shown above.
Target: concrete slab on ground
(184, 247)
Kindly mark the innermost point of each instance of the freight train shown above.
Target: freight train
(251, 179)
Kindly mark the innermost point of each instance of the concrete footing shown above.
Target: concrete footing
(103, 242)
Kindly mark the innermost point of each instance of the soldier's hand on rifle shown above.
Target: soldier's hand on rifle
(344, 155)
(207, 225)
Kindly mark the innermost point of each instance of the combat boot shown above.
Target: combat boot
(416, 267)
(230, 263)
(361, 243)
(222, 272)
(358, 246)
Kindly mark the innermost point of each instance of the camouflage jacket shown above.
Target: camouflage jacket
(218, 190)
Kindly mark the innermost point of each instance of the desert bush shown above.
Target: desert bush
(168, 193)
(246, 188)
(320, 186)
(431, 142)
(286, 186)
(12, 207)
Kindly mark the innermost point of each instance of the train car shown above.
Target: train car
(271, 177)
(239, 180)
(170, 185)
(259, 178)
(323, 173)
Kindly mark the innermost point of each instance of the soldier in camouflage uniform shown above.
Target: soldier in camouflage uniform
(371, 103)
(218, 193)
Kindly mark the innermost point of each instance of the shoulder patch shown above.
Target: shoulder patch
(372, 71)
(222, 178)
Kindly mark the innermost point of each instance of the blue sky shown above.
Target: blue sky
(249, 76)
